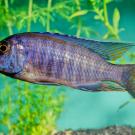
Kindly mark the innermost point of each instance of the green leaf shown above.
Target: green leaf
(116, 19)
(78, 13)
(42, 20)
(108, 1)
(106, 36)
(96, 17)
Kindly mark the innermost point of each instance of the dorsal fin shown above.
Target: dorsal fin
(107, 50)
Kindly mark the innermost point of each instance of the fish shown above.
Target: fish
(58, 59)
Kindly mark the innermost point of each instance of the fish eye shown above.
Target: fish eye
(3, 48)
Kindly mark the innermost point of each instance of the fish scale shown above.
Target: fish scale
(75, 65)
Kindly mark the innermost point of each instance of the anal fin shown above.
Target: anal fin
(100, 86)
(93, 86)
(111, 86)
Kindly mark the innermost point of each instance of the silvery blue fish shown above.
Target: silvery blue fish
(47, 58)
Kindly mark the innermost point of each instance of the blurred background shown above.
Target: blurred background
(29, 109)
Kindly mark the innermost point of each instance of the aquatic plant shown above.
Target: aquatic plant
(45, 15)
(28, 109)
(8, 18)
(29, 15)
(100, 9)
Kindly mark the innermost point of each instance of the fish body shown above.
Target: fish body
(46, 58)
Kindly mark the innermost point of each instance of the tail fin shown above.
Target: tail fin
(129, 79)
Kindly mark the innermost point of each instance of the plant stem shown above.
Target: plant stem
(48, 15)
(29, 15)
(106, 21)
(10, 31)
(79, 24)
(105, 12)
(78, 32)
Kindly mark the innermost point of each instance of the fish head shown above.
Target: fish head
(12, 56)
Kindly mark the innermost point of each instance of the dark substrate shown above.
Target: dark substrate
(113, 130)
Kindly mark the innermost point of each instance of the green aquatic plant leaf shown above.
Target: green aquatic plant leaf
(108, 1)
(116, 19)
(78, 13)
(99, 14)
